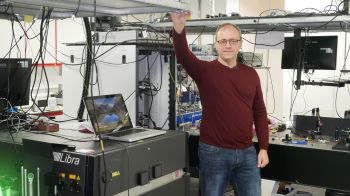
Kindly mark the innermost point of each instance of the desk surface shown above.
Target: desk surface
(315, 163)
(276, 139)
(69, 135)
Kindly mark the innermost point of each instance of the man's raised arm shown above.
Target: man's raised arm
(179, 20)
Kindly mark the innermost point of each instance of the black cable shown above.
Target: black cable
(131, 41)
(77, 10)
(335, 101)
(263, 44)
(82, 65)
(136, 18)
(292, 103)
(255, 39)
(302, 11)
(307, 112)
(138, 60)
(13, 31)
(97, 76)
(151, 66)
(330, 9)
(291, 97)
(42, 42)
(166, 120)
(264, 32)
(325, 24)
(338, 6)
(130, 95)
(269, 74)
(14, 17)
(346, 57)
(88, 67)
(100, 44)
(151, 85)
(149, 28)
(13, 142)
(149, 80)
(7, 8)
(44, 26)
(305, 105)
(161, 72)
(9, 52)
(44, 53)
(13, 36)
(336, 94)
(273, 92)
(199, 35)
(9, 129)
(116, 45)
(92, 48)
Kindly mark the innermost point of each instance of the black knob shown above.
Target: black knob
(77, 188)
(72, 186)
(60, 184)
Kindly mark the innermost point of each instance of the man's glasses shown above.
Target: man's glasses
(232, 42)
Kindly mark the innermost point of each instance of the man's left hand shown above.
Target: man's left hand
(263, 158)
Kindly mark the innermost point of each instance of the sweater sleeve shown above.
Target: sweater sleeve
(185, 57)
(260, 118)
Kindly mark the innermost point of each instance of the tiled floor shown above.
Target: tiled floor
(194, 189)
(266, 188)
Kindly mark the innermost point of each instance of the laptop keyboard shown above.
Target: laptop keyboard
(127, 132)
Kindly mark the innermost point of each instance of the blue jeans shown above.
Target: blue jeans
(218, 166)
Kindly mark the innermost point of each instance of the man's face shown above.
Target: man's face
(228, 43)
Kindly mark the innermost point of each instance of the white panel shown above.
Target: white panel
(270, 38)
(160, 106)
(112, 78)
(54, 78)
(116, 36)
(232, 6)
(298, 5)
(160, 109)
(272, 90)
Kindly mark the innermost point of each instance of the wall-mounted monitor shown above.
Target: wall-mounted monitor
(317, 52)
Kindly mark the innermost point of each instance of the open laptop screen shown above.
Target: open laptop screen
(108, 112)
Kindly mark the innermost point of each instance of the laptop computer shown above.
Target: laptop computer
(109, 116)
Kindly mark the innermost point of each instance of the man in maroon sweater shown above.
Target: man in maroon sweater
(232, 101)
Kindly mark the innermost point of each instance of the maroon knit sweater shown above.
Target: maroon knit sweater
(231, 98)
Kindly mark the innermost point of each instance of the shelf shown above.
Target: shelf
(66, 8)
(277, 23)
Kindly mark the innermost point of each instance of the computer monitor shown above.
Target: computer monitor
(15, 80)
(318, 52)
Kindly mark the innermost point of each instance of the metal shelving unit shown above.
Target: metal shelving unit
(271, 23)
(83, 8)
